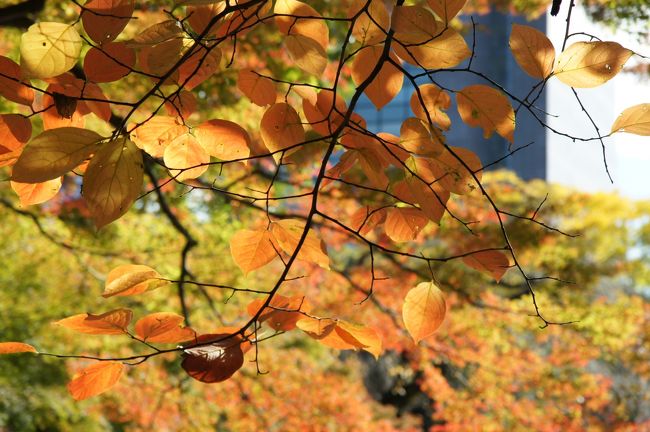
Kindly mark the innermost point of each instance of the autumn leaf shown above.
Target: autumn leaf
(423, 310)
(49, 49)
(131, 279)
(288, 18)
(287, 233)
(200, 66)
(111, 62)
(114, 322)
(326, 115)
(416, 138)
(590, 64)
(186, 158)
(95, 379)
(163, 327)
(53, 153)
(436, 102)
(16, 347)
(353, 336)
(282, 313)
(634, 120)
(15, 131)
(533, 51)
(281, 127)
(36, 193)
(487, 107)
(446, 9)
(223, 139)
(316, 328)
(11, 86)
(307, 54)
(252, 249)
(404, 223)
(372, 25)
(113, 180)
(212, 362)
(388, 81)
(155, 135)
(104, 20)
(492, 262)
(259, 89)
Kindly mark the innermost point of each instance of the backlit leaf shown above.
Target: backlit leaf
(326, 115)
(131, 279)
(114, 322)
(494, 263)
(281, 127)
(252, 249)
(104, 20)
(446, 9)
(307, 54)
(316, 328)
(53, 153)
(95, 379)
(436, 102)
(223, 139)
(15, 131)
(365, 336)
(634, 120)
(423, 310)
(185, 157)
(404, 223)
(163, 327)
(16, 347)
(36, 193)
(214, 362)
(260, 90)
(200, 66)
(11, 86)
(289, 21)
(386, 84)
(109, 63)
(287, 232)
(49, 49)
(533, 51)
(371, 26)
(113, 180)
(156, 134)
(487, 107)
(590, 64)
(416, 138)
(282, 313)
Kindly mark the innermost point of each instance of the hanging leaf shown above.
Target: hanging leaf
(214, 362)
(36, 193)
(200, 66)
(113, 180)
(131, 279)
(487, 107)
(353, 336)
(104, 20)
(186, 158)
(326, 115)
(252, 249)
(288, 15)
(634, 120)
(372, 25)
(259, 89)
(11, 85)
(493, 263)
(15, 131)
(533, 51)
(111, 62)
(423, 310)
(201, 16)
(16, 347)
(386, 84)
(114, 322)
(53, 153)
(156, 134)
(590, 64)
(281, 127)
(446, 9)
(316, 328)
(95, 379)
(156, 34)
(404, 223)
(49, 49)
(223, 139)
(182, 104)
(416, 138)
(436, 102)
(282, 313)
(287, 232)
(163, 327)
(307, 54)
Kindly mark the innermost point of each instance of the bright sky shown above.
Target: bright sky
(581, 164)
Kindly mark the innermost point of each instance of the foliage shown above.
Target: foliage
(298, 229)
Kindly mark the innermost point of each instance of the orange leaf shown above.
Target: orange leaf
(532, 50)
(213, 362)
(156, 134)
(446, 9)
(15, 131)
(416, 137)
(186, 158)
(359, 334)
(104, 20)
(487, 107)
(16, 347)
(326, 115)
(386, 84)
(436, 102)
(131, 279)
(307, 54)
(423, 310)
(288, 19)
(252, 249)
(404, 223)
(494, 263)
(11, 86)
(259, 89)
(282, 313)
(113, 322)
(287, 232)
(200, 16)
(317, 328)
(36, 193)
(200, 66)
(281, 127)
(95, 379)
(223, 139)
(163, 327)
(109, 63)
(371, 26)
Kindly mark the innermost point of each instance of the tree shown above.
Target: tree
(250, 105)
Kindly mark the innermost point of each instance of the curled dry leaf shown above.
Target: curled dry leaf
(423, 310)
(114, 322)
(95, 379)
(213, 357)
(16, 347)
(131, 279)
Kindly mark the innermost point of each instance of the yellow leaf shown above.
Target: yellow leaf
(317, 328)
(281, 127)
(223, 139)
(423, 310)
(287, 232)
(307, 53)
(386, 84)
(252, 249)
(422, 41)
(49, 49)
(436, 102)
(289, 21)
(404, 223)
(54, 153)
(113, 180)
(634, 120)
(156, 134)
(532, 50)
(131, 279)
(113, 322)
(487, 107)
(446, 9)
(449, 172)
(260, 90)
(36, 193)
(95, 379)
(186, 158)
(494, 263)
(16, 347)
(365, 336)
(590, 64)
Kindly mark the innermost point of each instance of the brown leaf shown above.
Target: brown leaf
(494, 263)
(104, 20)
(213, 362)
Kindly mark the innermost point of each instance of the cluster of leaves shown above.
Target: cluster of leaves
(324, 180)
